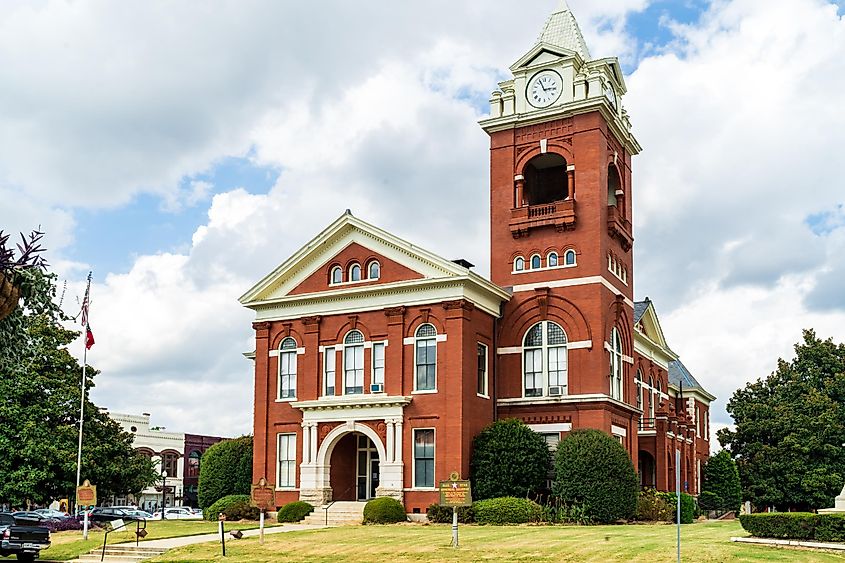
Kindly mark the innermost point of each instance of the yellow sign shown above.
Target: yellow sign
(455, 493)
(86, 494)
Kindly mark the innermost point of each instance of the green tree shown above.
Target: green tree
(226, 469)
(720, 486)
(593, 470)
(508, 459)
(39, 409)
(790, 427)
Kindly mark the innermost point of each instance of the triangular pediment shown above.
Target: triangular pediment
(345, 239)
(649, 326)
(544, 53)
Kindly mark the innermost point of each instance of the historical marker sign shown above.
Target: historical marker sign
(455, 492)
(86, 494)
(263, 496)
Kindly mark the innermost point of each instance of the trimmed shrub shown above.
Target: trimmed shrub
(507, 510)
(687, 507)
(830, 527)
(225, 469)
(594, 471)
(720, 482)
(443, 514)
(508, 459)
(235, 507)
(294, 511)
(384, 510)
(786, 525)
(651, 507)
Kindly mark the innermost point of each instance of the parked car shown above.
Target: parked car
(140, 514)
(23, 541)
(32, 516)
(177, 513)
(49, 512)
(109, 513)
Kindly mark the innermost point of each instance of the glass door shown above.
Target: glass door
(367, 468)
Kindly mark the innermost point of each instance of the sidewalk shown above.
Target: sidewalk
(170, 543)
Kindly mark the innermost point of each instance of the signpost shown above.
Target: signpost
(263, 497)
(455, 492)
(86, 497)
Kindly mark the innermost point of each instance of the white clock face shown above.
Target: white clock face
(544, 89)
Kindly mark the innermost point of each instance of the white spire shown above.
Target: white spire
(562, 30)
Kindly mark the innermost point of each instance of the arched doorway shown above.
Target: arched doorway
(355, 468)
(646, 469)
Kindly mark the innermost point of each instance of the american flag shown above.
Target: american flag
(89, 336)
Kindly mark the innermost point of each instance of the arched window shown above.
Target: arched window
(639, 390)
(355, 272)
(535, 262)
(171, 463)
(544, 360)
(373, 270)
(569, 257)
(519, 264)
(287, 369)
(194, 463)
(551, 259)
(545, 179)
(337, 275)
(425, 352)
(614, 184)
(651, 398)
(615, 364)
(353, 363)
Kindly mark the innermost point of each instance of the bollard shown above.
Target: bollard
(455, 526)
(85, 526)
(220, 520)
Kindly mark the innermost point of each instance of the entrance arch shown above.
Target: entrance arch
(332, 438)
(647, 466)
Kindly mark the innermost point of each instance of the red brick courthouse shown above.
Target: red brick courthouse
(377, 362)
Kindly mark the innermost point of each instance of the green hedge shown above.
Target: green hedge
(443, 514)
(294, 511)
(507, 510)
(653, 507)
(225, 469)
(593, 470)
(687, 507)
(235, 507)
(508, 459)
(384, 510)
(795, 526)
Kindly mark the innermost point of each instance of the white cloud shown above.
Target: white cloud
(375, 110)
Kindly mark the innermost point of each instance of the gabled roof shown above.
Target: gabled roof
(562, 30)
(680, 377)
(639, 309)
(644, 312)
(276, 287)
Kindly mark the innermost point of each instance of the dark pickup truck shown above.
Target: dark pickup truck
(23, 541)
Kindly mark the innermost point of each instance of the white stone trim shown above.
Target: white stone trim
(576, 345)
(558, 427)
(618, 430)
(275, 353)
(589, 280)
(627, 359)
(583, 398)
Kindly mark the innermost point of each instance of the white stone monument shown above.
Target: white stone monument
(838, 505)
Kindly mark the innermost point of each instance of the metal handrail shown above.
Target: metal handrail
(328, 506)
(138, 529)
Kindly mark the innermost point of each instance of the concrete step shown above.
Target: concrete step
(121, 554)
(341, 513)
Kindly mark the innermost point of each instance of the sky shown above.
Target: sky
(181, 151)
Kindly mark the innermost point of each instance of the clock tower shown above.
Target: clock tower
(561, 236)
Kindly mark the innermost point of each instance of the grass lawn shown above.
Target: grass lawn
(69, 545)
(400, 543)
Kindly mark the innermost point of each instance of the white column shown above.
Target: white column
(398, 442)
(306, 443)
(313, 442)
(390, 441)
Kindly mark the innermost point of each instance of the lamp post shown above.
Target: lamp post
(163, 487)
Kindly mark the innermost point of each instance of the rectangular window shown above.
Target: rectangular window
(353, 367)
(378, 363)
(481, 387)
(534, 373)
(426, 364)
(424, 458)
(286, 473)
(287, 375)
(329, 367)
(557, 367)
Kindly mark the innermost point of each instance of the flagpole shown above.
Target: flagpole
(82, 384)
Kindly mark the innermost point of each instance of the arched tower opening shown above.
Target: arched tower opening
(545, 179)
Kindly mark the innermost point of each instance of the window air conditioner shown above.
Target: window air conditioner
(377, 388)
(555, 390)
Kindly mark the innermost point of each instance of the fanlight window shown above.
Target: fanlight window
(519, 264)
(355, 273)
(426, 358)
(551, 261)
(287, 369)
(353, 363)
(535, 262)
(374, 271)
(544, 360)
(337, 275)
(569, 258)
